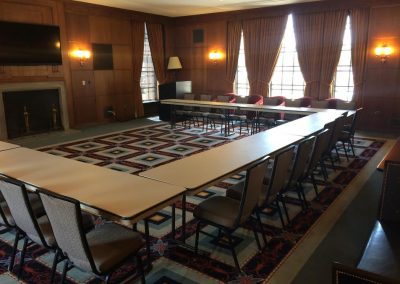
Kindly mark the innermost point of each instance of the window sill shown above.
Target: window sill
(150, 101)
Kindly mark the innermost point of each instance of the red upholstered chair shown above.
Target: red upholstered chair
(319, 104)
(306, 101)
(248, 117)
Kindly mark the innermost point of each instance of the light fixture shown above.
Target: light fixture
(82, 55)
(174, 63)
(383, 52)
(215, 56)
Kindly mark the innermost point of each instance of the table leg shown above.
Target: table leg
(173, 116)
(183, 218)
(147, 236)
(173, 221)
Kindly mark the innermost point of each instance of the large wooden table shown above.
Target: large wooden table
(119, 196)
(4, 146)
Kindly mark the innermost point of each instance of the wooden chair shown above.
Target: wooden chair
(227, 214)
(347, 134)
(186, 113)
(99, 251)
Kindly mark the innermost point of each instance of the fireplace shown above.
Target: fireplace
(32, 108)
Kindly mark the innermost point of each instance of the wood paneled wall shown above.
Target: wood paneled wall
(90, 92)
(382, 81)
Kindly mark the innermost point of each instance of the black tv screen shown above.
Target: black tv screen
(29, 44)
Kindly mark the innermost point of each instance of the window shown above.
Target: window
(343, 85)
(287, 79)
(148, 81)
(241, 84)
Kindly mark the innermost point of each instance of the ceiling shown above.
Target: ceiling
(177, 8)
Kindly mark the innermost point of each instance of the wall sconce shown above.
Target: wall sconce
(215, 56)
(383, 51)
(82, 55)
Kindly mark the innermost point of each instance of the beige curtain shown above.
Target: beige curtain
(137, 52)
(262, 42)
(334, 26)
(359, 19)
(234, 32)
(309, 32)
(156, 41)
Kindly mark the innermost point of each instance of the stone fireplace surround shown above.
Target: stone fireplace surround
(29, 86)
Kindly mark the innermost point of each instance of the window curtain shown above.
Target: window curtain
(156, 40)
(137, 55)
(359, 19)
(309, 32)
(334, 26)
(262, 42)
(234, 30)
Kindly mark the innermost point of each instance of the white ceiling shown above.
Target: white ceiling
(177, 8)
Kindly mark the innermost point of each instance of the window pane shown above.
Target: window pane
(343, 85)
(241, 84)
(148, 81)
(287, 79)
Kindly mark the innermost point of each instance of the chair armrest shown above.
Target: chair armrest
(343, 274)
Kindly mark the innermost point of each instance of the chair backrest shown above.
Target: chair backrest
(340, 104)
(353, 125)
(252, 189)
(280, 172)
(320, 145)
(206, 98)
(302, 159)
(319, 104)
(65, 216)
(14, 192)
(293, 103)
(337, 131)
(390, 197)
(188, 97)
(3, 208)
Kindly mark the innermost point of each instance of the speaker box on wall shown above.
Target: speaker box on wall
(198, 36)
(102, 56)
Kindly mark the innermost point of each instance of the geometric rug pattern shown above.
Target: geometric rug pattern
(139, 149)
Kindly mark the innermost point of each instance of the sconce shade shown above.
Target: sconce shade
(82, 55)
(174, 63)
(215, 55)
(383, 51)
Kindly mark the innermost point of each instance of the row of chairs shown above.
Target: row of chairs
(57, 223)
(266, 187)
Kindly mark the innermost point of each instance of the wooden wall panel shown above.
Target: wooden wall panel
(123, 83)
(77, 28)
(85, 113)
(121, 31)
(28, 12)
(122, 56)
(100, 29)
(83, 84)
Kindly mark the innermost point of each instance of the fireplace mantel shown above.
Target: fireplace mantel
(10, 87)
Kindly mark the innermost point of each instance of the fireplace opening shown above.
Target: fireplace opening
(31, 112)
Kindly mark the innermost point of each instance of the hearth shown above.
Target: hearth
(32, 108)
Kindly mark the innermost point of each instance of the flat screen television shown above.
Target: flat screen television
(29, 44)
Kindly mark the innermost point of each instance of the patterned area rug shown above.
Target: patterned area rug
(139, 149)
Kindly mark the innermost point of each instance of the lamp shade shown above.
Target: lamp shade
(174, 63)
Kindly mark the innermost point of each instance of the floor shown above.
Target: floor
(339, 236)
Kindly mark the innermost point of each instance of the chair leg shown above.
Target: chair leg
(352, 147)
(54, 267)
(300, 196)
(261, 227)
(280, 213)
(301, 189)
(337, 154)
(233, 251)
(14, 251)
(282, 198)
(314, 185)
(140, 269)
(345, 151)
(196, 243)
(332, 163)
(107, 279)
(21, 262)
(256, 236)
(64, 273)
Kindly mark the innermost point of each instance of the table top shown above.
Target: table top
(206, 168)
(392, 155)
(122, 195)
(7, 146)
(249, 107)
(309, 125)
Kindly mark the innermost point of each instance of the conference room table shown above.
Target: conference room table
(4, 146)
(117, 196)
(199, 171)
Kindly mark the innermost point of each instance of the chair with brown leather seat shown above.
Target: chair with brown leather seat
(336, 132)
(347, 134)
(227, 214)
(99, 251)
(186, 113)
(31, 228)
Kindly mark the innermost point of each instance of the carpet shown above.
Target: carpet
(136, 150)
